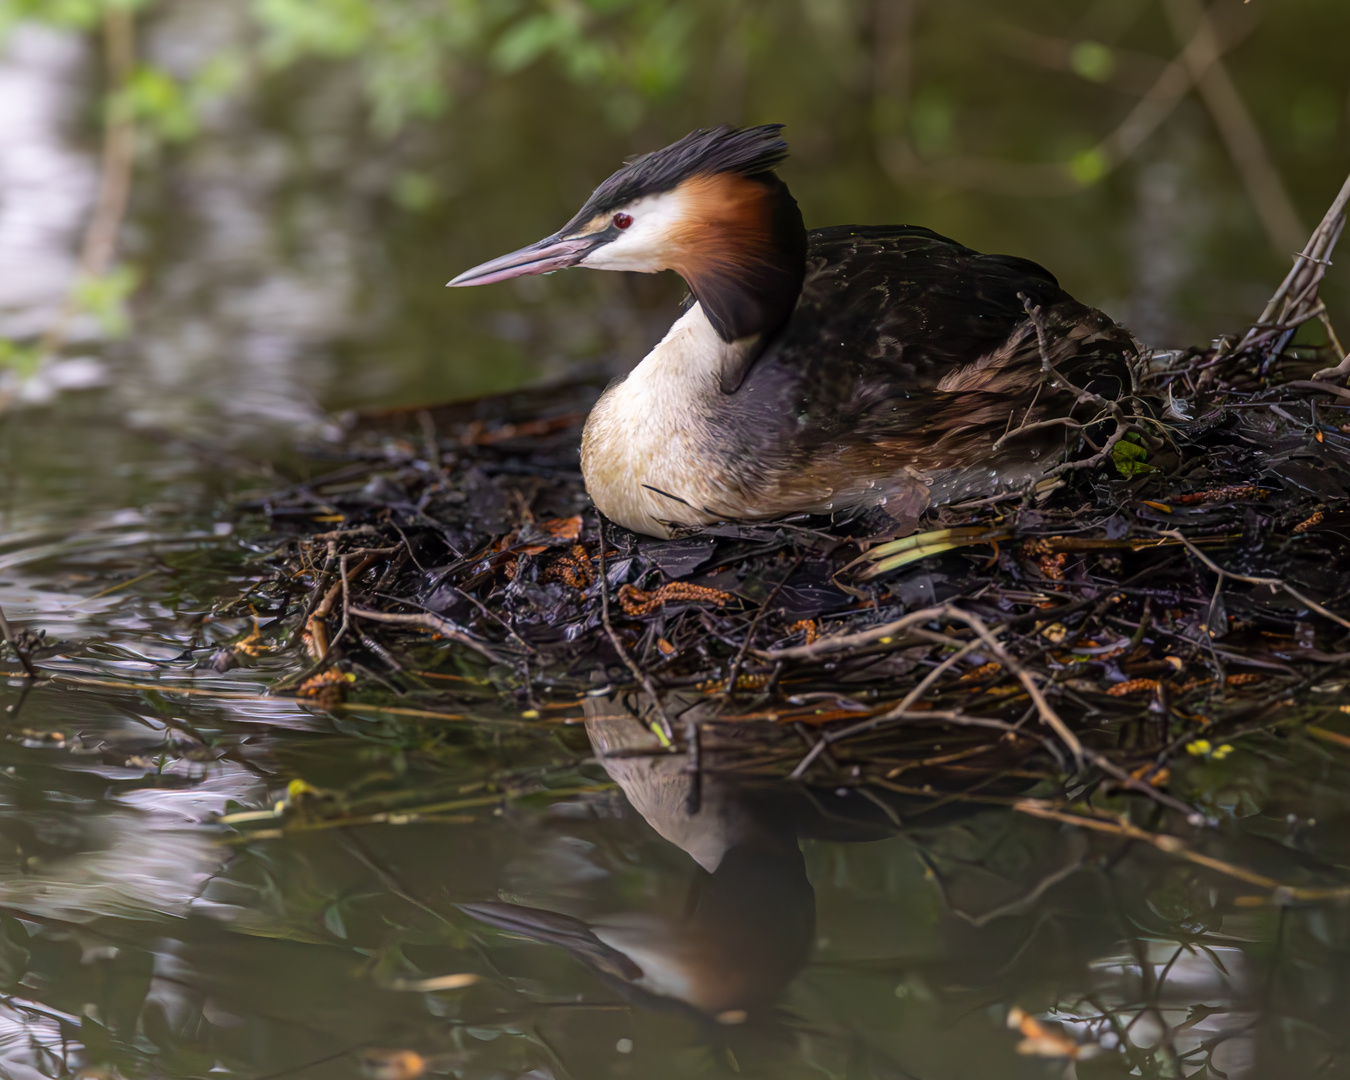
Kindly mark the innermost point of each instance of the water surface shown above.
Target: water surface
(161, 917)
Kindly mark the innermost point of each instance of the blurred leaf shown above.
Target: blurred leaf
(660, 63)
(415, 191)
(75, 14)
(293, 28)
(1089, 166)
(527, 40)
(23, 360)
(105, 298)
(1092, 60)
(933, 120)
(154, 98)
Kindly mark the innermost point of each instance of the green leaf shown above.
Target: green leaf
(527, 40)
(932, 121)
(1130, 457)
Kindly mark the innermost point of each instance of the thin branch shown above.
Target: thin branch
(664, 731)
(1046, 712)
(13, 642)
(1295, 301)
(1235, 124)
(733, 672)
(1109, 407)
(427, 621)
(1033, 179)
(1056, 421)
(1171, 845)
(1274, 583)
(1320, 387)
(114, 192)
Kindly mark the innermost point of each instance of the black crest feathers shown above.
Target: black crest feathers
(751, 151)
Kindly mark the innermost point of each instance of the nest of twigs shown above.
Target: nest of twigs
(1187, 590)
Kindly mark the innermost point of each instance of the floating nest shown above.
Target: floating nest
(1101, 630)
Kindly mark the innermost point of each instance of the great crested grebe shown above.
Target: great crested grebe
(822, 371)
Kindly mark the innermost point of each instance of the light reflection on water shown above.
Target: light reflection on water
(47, 184)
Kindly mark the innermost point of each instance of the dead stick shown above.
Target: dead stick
(1308, 269)
(665, 731)
(427, 621)
(1171, 845)
(1047, 714)
(843, 642)
(321, 612)
(1319, 387)
(733, 673)
(1274, 583)
(13, 643)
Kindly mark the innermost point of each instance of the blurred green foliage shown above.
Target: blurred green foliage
(406, 53)
(406, 49)
(68, 14)
(990, 121)
(105, 297)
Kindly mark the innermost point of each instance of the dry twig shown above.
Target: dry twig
(7, 635)
(664, 731)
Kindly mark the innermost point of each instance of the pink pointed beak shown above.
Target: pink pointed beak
(547, 255)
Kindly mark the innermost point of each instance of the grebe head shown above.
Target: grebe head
(709, 207)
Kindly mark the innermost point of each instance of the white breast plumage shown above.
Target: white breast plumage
(646, 452)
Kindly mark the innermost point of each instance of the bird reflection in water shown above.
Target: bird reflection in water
(749, 921)
(748, 926)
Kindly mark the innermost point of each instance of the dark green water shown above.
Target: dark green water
(140, 934)
(142, 937)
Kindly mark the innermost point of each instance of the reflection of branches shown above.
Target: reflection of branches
(1197, 66)
(114, 190)
(1017, 905)
(1099, 821)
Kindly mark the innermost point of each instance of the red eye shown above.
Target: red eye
(622, 221)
